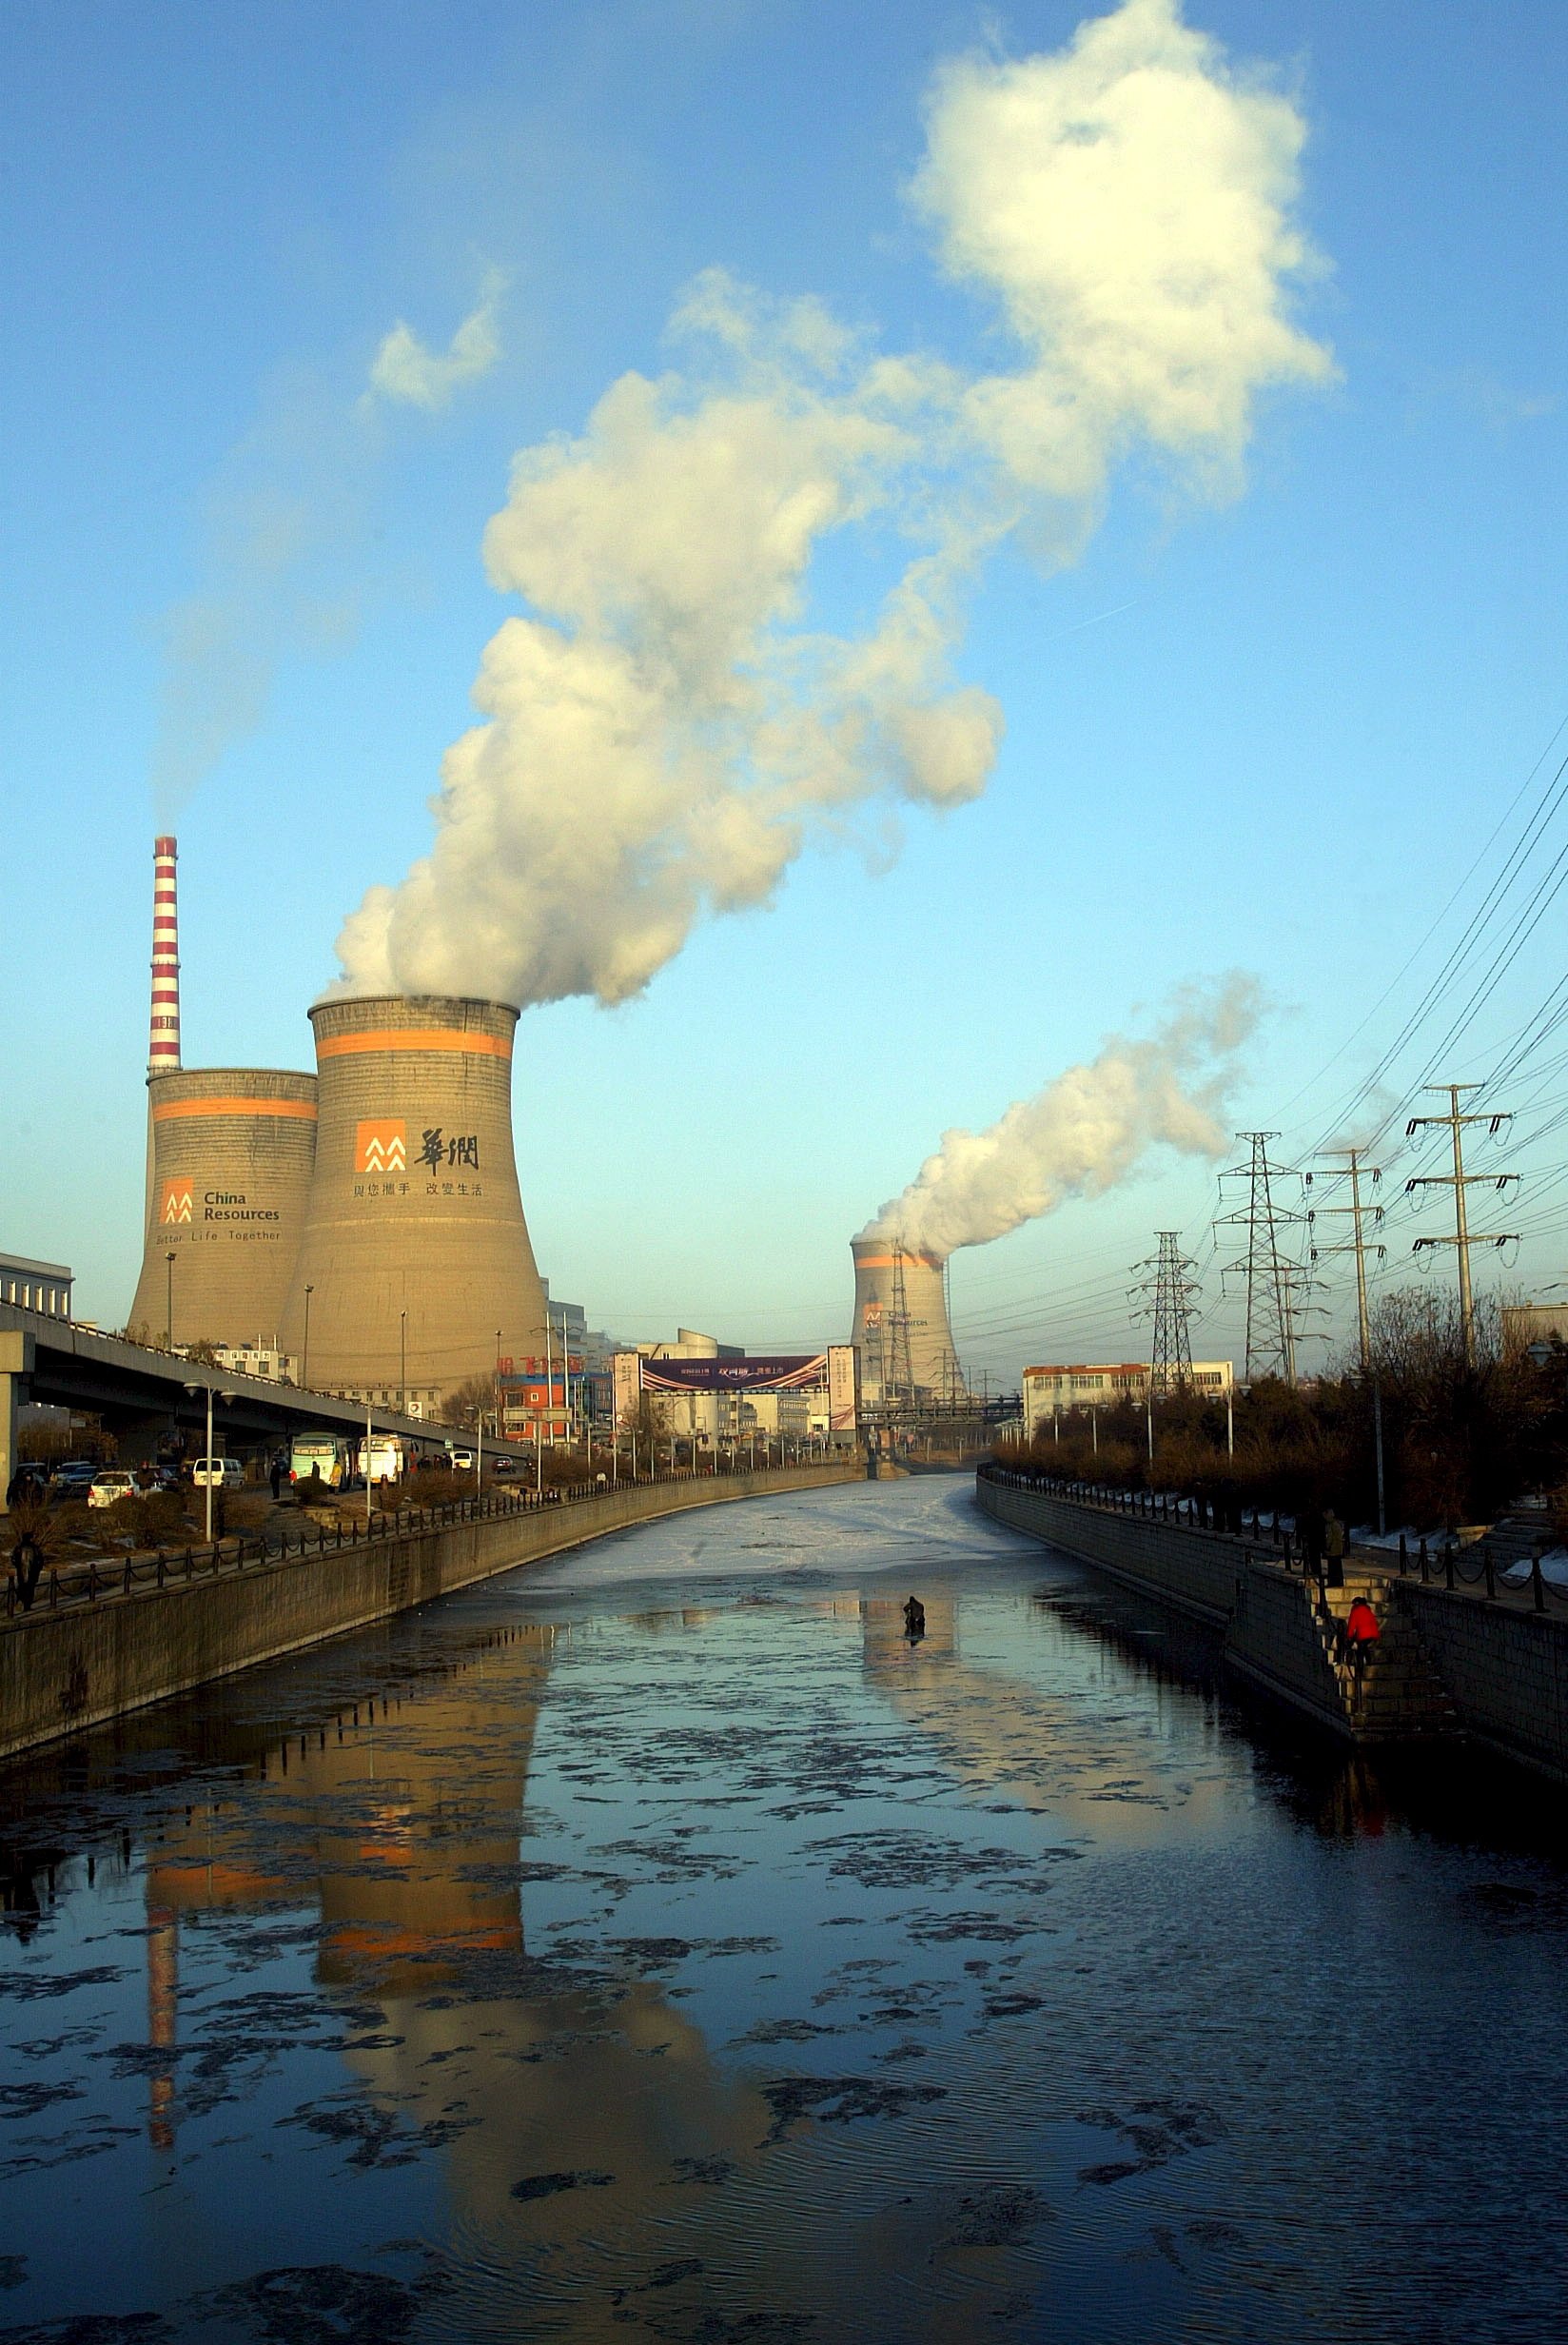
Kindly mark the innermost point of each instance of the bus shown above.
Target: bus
(323, 1454)
(386, 1461)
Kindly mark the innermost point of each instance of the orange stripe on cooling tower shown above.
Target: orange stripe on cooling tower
(302, 1110)
(890, 1262)
(415, 1038)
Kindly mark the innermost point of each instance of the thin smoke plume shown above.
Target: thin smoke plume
(666, 723)
(1086, 1131)
(406, 370)
(282, 557)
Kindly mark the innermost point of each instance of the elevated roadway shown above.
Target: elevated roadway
(141, 1395)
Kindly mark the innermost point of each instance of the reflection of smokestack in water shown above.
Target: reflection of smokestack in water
(901, 1328)
(415, 1251)
(163, 1032)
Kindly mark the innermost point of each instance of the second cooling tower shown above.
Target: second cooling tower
(230, 1173)
(415, 1269)
(901, 1328)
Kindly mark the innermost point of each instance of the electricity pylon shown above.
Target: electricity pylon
(1273, 1310)
(1168, 1294)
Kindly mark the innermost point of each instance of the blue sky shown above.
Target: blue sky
(1273, 734)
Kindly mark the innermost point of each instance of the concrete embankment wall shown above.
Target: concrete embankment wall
(1502, 1669)
(61, 1672)
(1505, 1670)
(1193, 1569)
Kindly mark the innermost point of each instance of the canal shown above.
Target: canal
(657, 1943)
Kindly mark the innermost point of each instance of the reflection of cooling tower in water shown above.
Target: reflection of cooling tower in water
(901, 1328)
(415, 1248)
(233, 1153)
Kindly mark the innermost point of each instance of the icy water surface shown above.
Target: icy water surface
(657, 1943)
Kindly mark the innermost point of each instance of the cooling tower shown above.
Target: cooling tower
(415, 1250)
(901, 1328)
(233, 1150)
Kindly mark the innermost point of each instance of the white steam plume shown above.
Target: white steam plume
(1086, 1131)
(663, 729)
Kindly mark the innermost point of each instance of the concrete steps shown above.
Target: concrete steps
(1397, 1693)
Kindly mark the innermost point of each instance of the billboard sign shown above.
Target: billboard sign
(777, 1372)
(843, 1387)
(625, 1371)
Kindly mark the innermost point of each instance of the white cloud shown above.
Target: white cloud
(1127, 202)
(667, 722)
(406, 370)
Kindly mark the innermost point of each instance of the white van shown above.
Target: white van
(221, 1473)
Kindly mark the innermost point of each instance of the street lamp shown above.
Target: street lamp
(169, 1303)
(402, 1363)
(304, 1363)
(207, 1454)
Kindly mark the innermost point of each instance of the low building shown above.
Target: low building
(1050, 1392)
(36, 1286)
(1524, 1324)
(262, 1356)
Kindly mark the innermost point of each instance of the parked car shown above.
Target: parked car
(107, 1487)
(222, 1473)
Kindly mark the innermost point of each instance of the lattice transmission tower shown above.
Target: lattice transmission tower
(1165, 1294)
(899, 1353)
(1276, 1284)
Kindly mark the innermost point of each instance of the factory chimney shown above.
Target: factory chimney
(901, 1328)
(163, 1032)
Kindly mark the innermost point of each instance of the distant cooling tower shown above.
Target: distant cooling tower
(901, 1328)
(232, 1150)
(414, 1265)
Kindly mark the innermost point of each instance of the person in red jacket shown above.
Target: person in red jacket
(1360, 1633)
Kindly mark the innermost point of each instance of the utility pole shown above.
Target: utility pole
(1355, 1209)
(1272, 1310)
(1459, 1181)
(1354, 1173)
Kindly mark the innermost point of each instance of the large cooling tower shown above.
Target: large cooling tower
(415, 1254)
(901, 1328)
(233, 1150)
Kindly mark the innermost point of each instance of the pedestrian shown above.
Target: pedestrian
(1360, 1632)
(27, 1562)
(1333, 1548)
(276, 1477)
(914, 1619)
(1312, 1542)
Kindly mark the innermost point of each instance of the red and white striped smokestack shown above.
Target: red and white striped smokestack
(164, 1032)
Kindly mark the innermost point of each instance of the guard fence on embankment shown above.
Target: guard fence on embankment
(1461, 1651)
(108, 1637)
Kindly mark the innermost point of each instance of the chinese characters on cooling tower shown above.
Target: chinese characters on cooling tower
(232, 1152)
(382, 1147)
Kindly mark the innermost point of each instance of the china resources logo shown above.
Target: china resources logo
(179, 1206)
(383, 1147)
